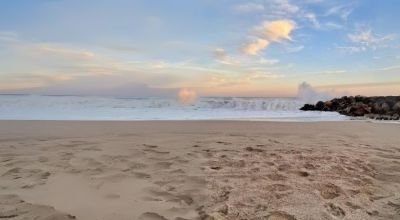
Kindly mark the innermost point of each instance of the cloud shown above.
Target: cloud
(253, 47)
(249, 8)
(268, 61)
(283, 7)
(351, 49)
(354, 85)
(263, 76)
(62, 51)
(343, 11)
(364, 39)
(389, 68)
(221, 57)
(295, 49)
(267, 32)
(277, 30)
(328, 72)
(286, 9)
(332, 26)
(313, 19)
(8, 36)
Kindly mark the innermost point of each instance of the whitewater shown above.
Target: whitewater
(42, 107)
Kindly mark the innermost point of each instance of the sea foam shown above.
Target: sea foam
(36, 107)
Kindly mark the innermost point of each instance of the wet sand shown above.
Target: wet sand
(199, 170)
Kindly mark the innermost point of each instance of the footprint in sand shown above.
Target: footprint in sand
(215, 167)
(335, 210)
(278, 188)
(163, 165)
(280, 216)
(330, 191)
(223, 142)
(151, 216)
(395, 206)
(142, 175)
(12, 207)
(252, 149)
(27, 177)
(177, 171)
(135, 165)
(150, 146)
(276, 177)
(223, 195)
(284, 167)
(150, 150)
(309, 166)
(352, 205)
(302, 173)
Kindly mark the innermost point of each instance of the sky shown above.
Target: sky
(207, 47)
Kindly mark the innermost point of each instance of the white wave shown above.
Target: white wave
(106, 108)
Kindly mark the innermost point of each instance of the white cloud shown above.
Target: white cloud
(330, 72)
(368, 38)
(267, 32)
(295, 49)
(8, 36)
(268, 61)
(351, 49)
(62, 51)
(364, 39)
(313, 19)
(277, 30)
(332, 26)
(342, 11)
(253, 47)
(263, 76)
(221, 57)
(389, 68)
(249, 7)
(284, 7)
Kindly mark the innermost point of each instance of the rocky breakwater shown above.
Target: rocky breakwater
(378, 107)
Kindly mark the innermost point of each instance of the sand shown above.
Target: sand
(199, 170)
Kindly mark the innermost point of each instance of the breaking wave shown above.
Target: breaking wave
(109, 108)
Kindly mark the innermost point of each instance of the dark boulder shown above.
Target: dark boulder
(377, 107)
(396, 107)
(385, 107)
(308, 107)
(319, 106)
(359, 109)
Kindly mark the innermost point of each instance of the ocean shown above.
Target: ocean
(41, 107)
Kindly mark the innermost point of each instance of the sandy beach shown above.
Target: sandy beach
(58, 170)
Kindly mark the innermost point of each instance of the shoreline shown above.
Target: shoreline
(99, 170)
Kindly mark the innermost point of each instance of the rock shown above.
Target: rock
(308, 107)
(319, 106)
(359, 109)
(396, 107)
(385, 107)
(378, 107)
